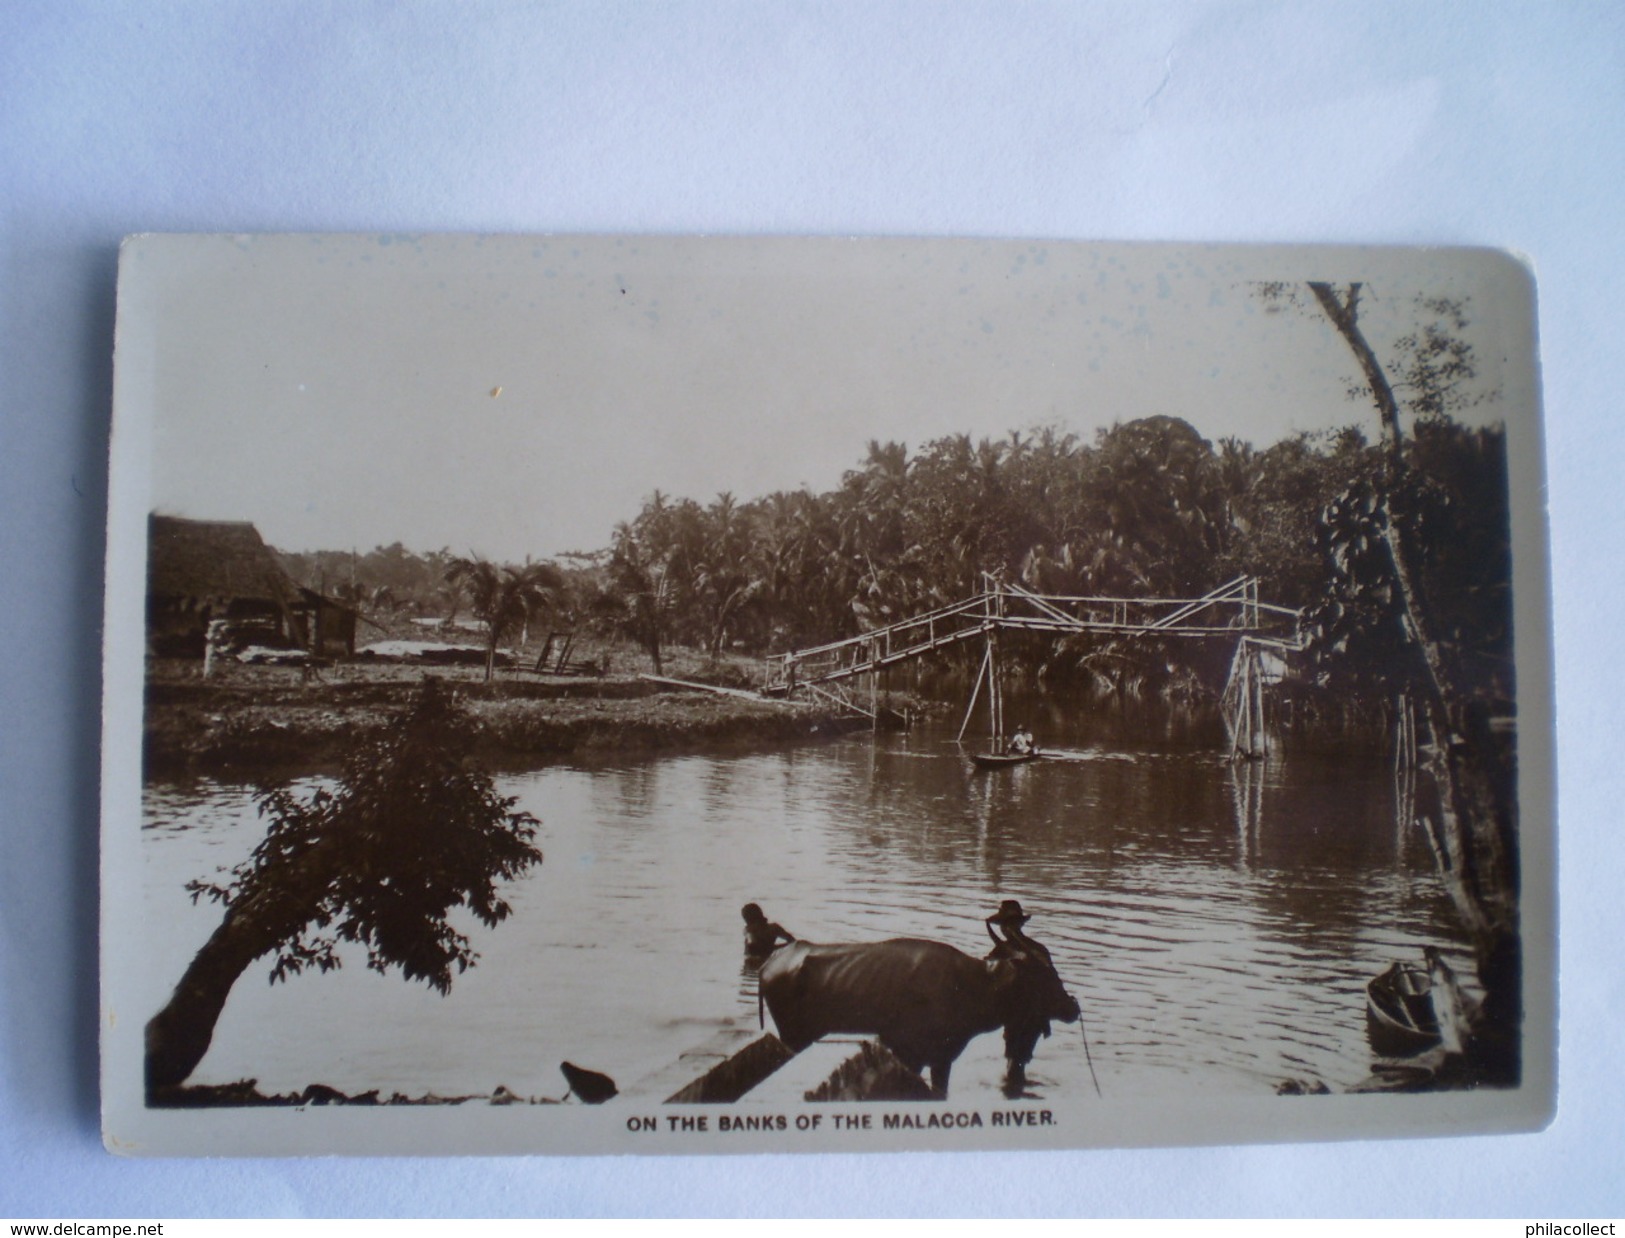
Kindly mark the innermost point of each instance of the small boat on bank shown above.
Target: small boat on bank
(1400, 1020)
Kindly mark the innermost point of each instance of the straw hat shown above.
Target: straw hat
(1009, 912)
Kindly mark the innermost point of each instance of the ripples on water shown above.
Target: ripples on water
(1216, 921)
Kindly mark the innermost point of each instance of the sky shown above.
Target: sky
(517, 396)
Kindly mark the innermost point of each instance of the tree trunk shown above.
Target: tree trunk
(179, 1035)
(1345, 316)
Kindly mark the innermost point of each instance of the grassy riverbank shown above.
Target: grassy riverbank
(248, 718)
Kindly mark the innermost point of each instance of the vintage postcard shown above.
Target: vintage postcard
(592, 694)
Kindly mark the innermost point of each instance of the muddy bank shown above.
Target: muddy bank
(202, 727)
(245, 1093)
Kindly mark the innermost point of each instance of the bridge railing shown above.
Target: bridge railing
(927, 620)
(883, 646)
(1249, 613)
(1232, 609)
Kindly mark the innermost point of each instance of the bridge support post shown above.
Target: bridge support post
(1243, 704)
(874, 685)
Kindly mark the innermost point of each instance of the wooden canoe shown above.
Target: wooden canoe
(1001, 760)
(1399, 1015)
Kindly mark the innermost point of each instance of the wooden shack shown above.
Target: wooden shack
(329, 624)
(202, 570)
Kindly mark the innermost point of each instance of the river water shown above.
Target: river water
(1216, 921)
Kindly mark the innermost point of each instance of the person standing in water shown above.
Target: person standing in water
(762, 936)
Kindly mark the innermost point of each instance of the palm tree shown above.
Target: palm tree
(726, 578)
(793, 564)
(503, 597)
(638, 600)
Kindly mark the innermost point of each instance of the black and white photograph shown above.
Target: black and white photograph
(677, 694)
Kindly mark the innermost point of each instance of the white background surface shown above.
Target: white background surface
(1370, 122)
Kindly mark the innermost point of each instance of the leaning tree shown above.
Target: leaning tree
(410, 832)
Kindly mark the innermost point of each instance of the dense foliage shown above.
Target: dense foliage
(1451, 498)
(1150, 509)
(409, 834)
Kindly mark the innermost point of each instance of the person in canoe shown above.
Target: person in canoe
(1021, 742)
(762, 936)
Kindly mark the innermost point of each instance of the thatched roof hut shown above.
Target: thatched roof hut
(212, 564)
(202, 570)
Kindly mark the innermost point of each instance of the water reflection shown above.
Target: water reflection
(1216, 920)
(1247, 792)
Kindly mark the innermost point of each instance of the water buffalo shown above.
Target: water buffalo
(925, 1001)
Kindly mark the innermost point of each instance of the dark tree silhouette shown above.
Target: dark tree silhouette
(410, 832)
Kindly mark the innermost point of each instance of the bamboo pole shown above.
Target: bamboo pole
(1229, 700)
(976, 690)
(1246, 704)
(1260, 738)
(996, 689)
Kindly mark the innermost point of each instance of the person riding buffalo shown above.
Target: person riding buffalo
(762, 936)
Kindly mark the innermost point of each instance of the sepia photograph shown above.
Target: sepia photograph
(674, 694)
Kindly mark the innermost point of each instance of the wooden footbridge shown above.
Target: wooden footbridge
(1262, 632)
